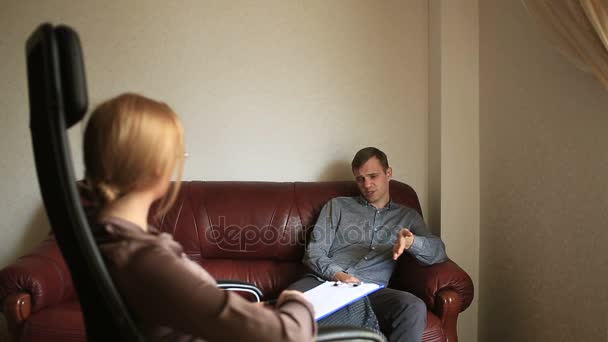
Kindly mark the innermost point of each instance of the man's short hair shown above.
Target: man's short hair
(366, 154)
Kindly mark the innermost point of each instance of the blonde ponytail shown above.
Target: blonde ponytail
(106, 192)
(100, 193)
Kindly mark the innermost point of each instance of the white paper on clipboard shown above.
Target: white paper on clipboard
(328, 297)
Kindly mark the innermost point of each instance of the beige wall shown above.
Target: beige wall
(544, 187)
(285, 91)
(271, 90)
(454, 138)
(268, 90)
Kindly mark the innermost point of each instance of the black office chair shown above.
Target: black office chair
(58, 100)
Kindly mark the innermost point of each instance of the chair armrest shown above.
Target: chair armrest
(346, 333)
(241, 286)
(42, 274)
(436, 284)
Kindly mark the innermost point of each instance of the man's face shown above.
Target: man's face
(372, 181)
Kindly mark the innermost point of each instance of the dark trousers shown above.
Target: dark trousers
(402, 316)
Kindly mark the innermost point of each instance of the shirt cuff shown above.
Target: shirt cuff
(330, 273)
(417, 246)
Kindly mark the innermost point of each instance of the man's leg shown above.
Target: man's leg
(402, 315)
(305, 284)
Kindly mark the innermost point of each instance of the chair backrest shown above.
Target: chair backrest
(58, 100)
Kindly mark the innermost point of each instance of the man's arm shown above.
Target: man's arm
(316, 257)
(420, 242)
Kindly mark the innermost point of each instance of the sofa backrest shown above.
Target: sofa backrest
(255, 231)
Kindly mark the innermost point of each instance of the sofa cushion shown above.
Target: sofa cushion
(248, 220)
(269, 276)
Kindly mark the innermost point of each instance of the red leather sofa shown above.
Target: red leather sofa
(249, 231)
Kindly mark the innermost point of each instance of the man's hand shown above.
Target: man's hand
(346, 278)
(405, 239)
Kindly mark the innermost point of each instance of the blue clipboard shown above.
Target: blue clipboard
(331, 296)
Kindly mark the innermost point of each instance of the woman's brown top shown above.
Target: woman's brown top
(174, 299)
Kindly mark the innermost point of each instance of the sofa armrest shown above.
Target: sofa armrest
(17, 309)
(42, 274)
(437, 285)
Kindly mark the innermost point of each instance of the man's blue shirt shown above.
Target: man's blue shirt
(355, 237)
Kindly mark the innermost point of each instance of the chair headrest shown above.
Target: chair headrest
(56, 73)
(75, 99)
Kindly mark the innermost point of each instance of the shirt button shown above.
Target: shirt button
(373, 247)
(364, 258)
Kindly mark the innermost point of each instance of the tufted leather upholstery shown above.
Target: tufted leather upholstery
(248, 231)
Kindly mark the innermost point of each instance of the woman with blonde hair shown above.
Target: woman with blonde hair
(133, 146)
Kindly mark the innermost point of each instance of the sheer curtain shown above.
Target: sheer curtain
(579, 29)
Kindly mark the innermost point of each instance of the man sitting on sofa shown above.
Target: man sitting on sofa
(360, 238)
